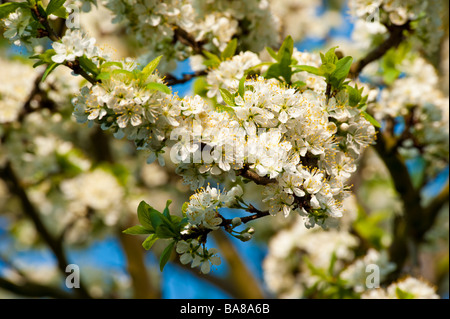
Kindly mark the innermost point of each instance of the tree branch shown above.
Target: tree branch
(185, 38)
(249, 174)
(14, 185)
(172, 80)
(35, 290)
(246, 286)
(396, 36)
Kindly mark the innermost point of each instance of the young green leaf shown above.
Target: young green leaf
(369, 118)
(401, 294)
(285, 57)
(151, 66)
(110, 64)
(249, 70)
(49, 70)
(354, 96)
(61, 13)
(342, 68)
(286, 49)
(144, 215)
(212, 59)
(272, 53)
(241, 89)
(124, 74)
(103, 76)
(137, 230)
(227, 97)
(200, 86)
(327, 68)
(299, 84)
(330, 56)
(88, 65)
(164, 231)
(309, 69)
(54, 5)
(273, 72)
(229, 50)
(166, 255)
(166, 210)
(183, 222)
(158, 87)
(184, 208)
(148, 243)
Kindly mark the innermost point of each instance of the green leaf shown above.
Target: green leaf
(166, 255)
(54, 5)
(163, 231)
(241, 89)
(401, 294)
(369, 118)
(272, 53)
(200, 86)
(342, 68)
(158, 87)
(151, 66)
(103, 76)
(227, 97)
(184, 208)
(332, 264)
(212, 59)
(88, 65)
(41, 9)
(45, 58)
(286, 49)
(148, 243)
(285, 56)
(327, 68)
(257, 67)
(299, 84)
(230, 49)
(127, 74)
(273, 72)
(143, 213)
(137, 230)
(61, 13)
(9, 7)
(110, 64)
(166, 210)
(183, 222)
(49, 70)
(330, 56)
(155, 218)
(309, 69)
(354, 96)
(174, 219)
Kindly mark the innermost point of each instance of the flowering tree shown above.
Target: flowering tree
(334, 159)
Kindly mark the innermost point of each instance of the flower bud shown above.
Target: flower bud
(236, 221)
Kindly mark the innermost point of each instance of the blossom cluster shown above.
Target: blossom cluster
(305, 144)
(17, 27)
(406, 288)
(417, 99)
(213, 23)
(298, 258)
(427, 16)
(74, 44)
(193, 252)
(203, 207)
